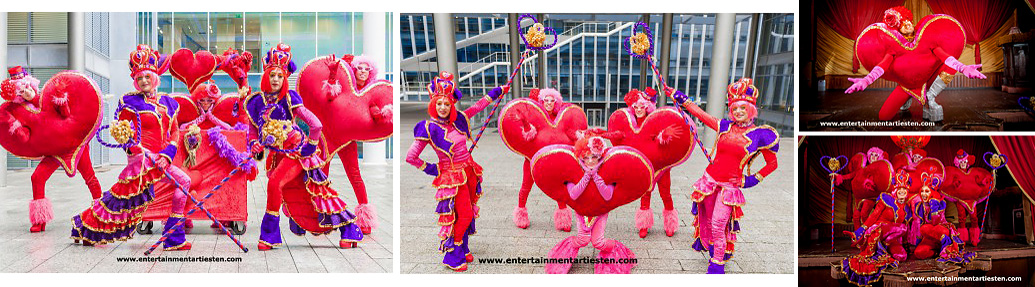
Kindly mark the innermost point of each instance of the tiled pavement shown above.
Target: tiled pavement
(53, 251)
(765, 243)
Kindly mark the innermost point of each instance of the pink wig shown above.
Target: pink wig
(752, 111)
(645, 98)
(156, 83)
(366, 61)
(876, 150)
(11, 86)
(551, 93)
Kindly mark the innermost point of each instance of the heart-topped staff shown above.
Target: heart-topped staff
(1028, 104)
(535, 40)
(995, 161)
(833, 166)
(129, 135)
(641, 45)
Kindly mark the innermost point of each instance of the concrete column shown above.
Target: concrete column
(3, 64)
(720, 71)
(445, 43)
(750, 58)
(514, 31)
(665, 47)
(77, 41)
(374, 46)
(544, 79)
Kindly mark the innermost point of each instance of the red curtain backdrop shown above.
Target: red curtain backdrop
(980, 19)
(1020, 154)
(814, 181)
(850, 17)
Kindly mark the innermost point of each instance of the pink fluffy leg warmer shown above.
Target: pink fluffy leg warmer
(568, 248)
(562, 219)
(644, 218)
(619, 254)
(671, 221)
(366, 216)
(521, 217)
(40, 211)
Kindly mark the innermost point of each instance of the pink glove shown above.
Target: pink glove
(861, 83)
(971, 71)
(530, 134)
(837, 179)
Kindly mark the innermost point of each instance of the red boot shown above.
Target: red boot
(263, 246)
(975, 236)
(461, 269)
(38, 227)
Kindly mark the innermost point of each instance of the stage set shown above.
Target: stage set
(878, 209)
(917, 65)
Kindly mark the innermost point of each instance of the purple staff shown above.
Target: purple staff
(995, 161)
(536, 45)
(832, 165)
(641, 45)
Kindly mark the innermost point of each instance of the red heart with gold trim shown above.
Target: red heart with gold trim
(50, 133)
(345, 111)
(915, 63)
(192, 68)
(625, 168)
(643, 136)
(521, 113)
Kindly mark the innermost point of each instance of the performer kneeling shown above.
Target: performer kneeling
(146, 120)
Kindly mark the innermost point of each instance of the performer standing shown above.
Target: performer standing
(717, 195)
(590, 151)
(552, 104)
(295, 165)
(457, 176)
(23, 91)
(147, 120)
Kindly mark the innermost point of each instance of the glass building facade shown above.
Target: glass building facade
(589, 64)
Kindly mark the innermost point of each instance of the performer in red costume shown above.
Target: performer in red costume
(458, 177)
(661, 134)
(911, 60)
(557, 123)
(870, 174)
(591, 152)
(204, 99)
(27, 109)
(967, 186)
(717, 195)
(880, 238)
(929, 230)
(295, 163)
(146, 126)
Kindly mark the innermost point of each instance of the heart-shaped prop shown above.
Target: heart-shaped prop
(326, 87)
(640, 44)
(967, 187)
(872, 180)
(191, 68)
(523, 112)
(236, 64)
(624, 168)
(535, 37)
(644, 136)
(48, 132)
(994, 160)
(915, 63)
(833, 164)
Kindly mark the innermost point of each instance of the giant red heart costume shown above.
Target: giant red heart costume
(967, 188)
(643, 136)
(346, 113)
(50, 134)
(867, 184)
(519, 112)
(626, 168)
(915, 64)
(230, 202)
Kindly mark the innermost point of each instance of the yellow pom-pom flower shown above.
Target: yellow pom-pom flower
(536, 35)
(279, 129)
(639, 43)
(122, 131)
